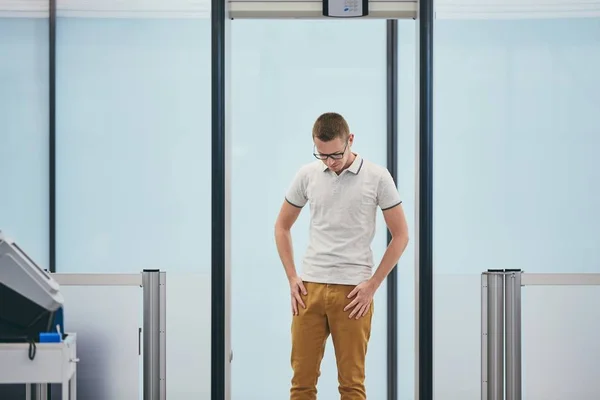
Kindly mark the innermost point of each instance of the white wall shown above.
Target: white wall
(108, 8)
(516, 9)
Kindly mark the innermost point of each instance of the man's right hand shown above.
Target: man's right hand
(297, 290)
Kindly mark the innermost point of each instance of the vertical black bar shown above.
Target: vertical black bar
(392, 165)
(218, 45)
(425, 215)
(52, 135)
(51, 143)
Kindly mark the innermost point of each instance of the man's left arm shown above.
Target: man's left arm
(396, 223)
(393, 213)
(390, 202)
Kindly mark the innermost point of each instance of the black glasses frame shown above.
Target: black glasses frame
(334, 156)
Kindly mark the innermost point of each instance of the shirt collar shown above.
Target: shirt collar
(355, 167)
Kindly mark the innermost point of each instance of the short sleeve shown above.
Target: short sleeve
(296, 193)
(387, 193)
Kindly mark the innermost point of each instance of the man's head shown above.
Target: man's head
(333, 141)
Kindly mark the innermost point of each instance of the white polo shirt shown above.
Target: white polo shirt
(343, 211)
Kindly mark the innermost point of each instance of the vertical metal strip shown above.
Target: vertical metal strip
(424, 327)
(513, 334)
(218, 202)
(42, 391)
(163, 335)
(392, 165)
(484, 336)
(151, 334)
(52, 136)
(495, 335)
(51, 149)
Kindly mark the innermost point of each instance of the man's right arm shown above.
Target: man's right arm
(283, 237)
(295, 199)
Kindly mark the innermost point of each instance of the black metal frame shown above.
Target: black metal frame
(425, 196)
(218, 203)
(392, 165)
(52, 134)
(425, 199)
(51, 145)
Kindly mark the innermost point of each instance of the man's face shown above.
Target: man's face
(335, 153)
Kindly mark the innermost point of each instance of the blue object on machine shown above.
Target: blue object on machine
(50, 337)
(57, 335)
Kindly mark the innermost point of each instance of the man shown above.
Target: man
(334, 294)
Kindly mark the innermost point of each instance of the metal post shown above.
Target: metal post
(151, 288)
(424, 376)
(513, 334)
(163, 336)
(492, 338)
(41, 391)
(484, 337)
(392, 165)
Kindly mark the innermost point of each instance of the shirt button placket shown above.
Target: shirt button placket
(336, 185)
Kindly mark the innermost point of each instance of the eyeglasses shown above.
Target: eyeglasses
(334, 156)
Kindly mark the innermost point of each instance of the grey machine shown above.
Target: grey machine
(29, 298)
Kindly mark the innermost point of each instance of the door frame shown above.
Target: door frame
(221, 355)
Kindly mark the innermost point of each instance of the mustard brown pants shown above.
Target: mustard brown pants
(324, 315)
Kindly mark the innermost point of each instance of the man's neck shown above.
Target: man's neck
(349, 162)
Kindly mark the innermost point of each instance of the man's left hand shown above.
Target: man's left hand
(363, 297)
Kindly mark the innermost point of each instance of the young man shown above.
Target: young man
(334, 294)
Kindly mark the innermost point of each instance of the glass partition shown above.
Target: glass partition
(515, 163)
(24, 116)
(24, 149)
(133, 160)
(284, 75)
(133, 134)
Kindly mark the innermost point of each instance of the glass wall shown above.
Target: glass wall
(24, 133)
(133, 161)
(516, 130)
(24, 114)
(284, 75)
(133, 123)
(406, 181)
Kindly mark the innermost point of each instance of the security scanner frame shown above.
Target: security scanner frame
(501, 358)
(57, 362)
